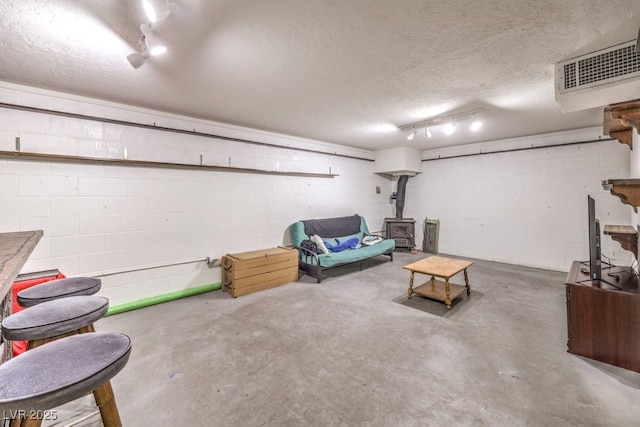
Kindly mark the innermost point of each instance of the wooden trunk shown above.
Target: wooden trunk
(247, 272)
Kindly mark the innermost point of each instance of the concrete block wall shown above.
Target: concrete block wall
(524, 207)
(520, 207)
(102, 219)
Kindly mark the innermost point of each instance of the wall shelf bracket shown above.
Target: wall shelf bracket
(619, 119)
(628, 190)
(626, 235)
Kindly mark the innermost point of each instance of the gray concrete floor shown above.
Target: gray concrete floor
(353, 351)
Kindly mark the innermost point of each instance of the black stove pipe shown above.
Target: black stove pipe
(402, 184)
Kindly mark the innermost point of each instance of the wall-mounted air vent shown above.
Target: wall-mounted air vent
(597, 68)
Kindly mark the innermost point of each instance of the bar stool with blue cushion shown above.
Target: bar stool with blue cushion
(62, 371)
(50, 320)
(61, 288)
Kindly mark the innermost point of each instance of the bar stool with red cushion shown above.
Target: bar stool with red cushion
(54, 289)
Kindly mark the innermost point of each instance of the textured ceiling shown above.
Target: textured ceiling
(347, 72)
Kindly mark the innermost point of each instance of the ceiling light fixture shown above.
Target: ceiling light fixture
(150, 44)
(412, 134)
(449, 128)
(137, 59)
(157, 10)
(446, 123)
(153, 43)
(475, 125)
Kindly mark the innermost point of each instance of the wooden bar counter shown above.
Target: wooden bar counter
(15, 249)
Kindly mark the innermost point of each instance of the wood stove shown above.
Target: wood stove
(402, 230)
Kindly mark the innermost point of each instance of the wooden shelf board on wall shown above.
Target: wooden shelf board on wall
(155, 164)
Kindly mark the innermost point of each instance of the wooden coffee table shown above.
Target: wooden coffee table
(442, 267)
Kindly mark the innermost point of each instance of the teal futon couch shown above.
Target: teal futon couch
(343, 239)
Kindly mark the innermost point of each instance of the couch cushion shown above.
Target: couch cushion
(298, 234)
(353, 255)
(332, 227)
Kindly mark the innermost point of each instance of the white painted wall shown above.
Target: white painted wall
(523, 207)
(101, 218)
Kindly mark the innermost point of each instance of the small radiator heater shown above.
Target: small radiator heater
(431, 231)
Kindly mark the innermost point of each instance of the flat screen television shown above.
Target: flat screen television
(595, 262)
(595, 256)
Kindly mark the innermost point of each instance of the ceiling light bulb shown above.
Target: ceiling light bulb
(411, 135)
(157, 10)
(428, 132)
(154, 44)
(157, 50)
(449, 128)
(476, 125)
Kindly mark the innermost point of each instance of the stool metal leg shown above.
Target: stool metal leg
(107, 404)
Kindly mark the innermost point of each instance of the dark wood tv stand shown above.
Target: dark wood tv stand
(603, 321)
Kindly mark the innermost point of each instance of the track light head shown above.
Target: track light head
(449, 128)
(156, 10)
(412, 135)
(476, 125)
(137, 59)
(153, 43)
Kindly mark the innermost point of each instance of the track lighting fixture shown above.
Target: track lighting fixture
(449, 128)
(137, 59)
(444, 124)
(153, 43)
(150, 44)
(475, 123)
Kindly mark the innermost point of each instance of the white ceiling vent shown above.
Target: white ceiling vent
(599, 78)
(596, 68)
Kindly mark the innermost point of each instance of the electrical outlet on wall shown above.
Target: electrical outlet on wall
(212, 262)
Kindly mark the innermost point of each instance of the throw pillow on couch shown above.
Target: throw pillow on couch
(318, 241)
